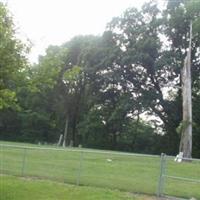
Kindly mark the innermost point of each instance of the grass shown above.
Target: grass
(13, 188)
(130, 173)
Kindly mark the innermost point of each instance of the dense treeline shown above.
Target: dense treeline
(98, 91)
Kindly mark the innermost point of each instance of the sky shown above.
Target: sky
(53, 22)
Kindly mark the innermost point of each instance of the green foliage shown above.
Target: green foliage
(193, 9)
(12, 62)
(7, 99)
(72, 74)
(182, 126)
(93, 130)
(46, 73)
(103, 84)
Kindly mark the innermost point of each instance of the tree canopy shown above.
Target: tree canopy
(120, 90)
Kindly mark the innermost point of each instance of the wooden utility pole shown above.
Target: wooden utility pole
(186, 135)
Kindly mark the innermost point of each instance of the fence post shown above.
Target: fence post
(80, 168)
(24, 161)
(1, 160)
(162, 175)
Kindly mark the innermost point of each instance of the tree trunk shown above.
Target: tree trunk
(74, 131)
(114, 141)
(66, 130)
(136, 131)
(186, 137)
(60, 140)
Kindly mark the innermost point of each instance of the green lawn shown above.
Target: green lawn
(130, 173)
(12, 188)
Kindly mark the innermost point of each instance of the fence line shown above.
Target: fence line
(164, 175)
(183, 178)
(92, 167)
(81, 150)
(110, 169)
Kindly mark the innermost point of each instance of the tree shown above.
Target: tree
(186, 137)
(12, 53)
(94, 89)
(149, 65)
(184, 13)
(145, 66)
(13, 63)
(65, 70)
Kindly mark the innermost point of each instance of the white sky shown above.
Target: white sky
(46, 22)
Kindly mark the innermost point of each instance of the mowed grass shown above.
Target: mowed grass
(132, 173)
(13, 188)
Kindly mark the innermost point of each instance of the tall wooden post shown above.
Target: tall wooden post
(186, 137)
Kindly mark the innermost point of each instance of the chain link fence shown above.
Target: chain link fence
(138, 173)
(180, 179)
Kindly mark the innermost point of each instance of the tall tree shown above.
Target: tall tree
(13, 64)
(12, 54)
(182, 13)
(186, 137)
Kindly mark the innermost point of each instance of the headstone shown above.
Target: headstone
(179, 157)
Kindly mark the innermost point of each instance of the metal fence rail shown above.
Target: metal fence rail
(150, 174)
(71, 149)
(109, 169)
(179, 179)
